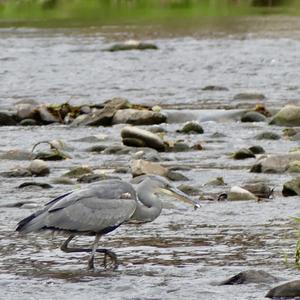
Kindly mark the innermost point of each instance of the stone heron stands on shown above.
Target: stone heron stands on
(100, 208)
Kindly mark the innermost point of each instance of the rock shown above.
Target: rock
(157, 129)
(215, 88)
(291, 188)
(39, 168)
(268, 136)
(16, 154)
(102, 117)
(96, 148)
(257, 149)
(176, 176)
(148, 138)
(96, 138)
(238, 193)
(289, 115)
(32, 183)
(178, 146)
(88, 178)
(275, 163)
(249, 96)
(141, 167)
(259, 189)
(289, 132)
(46, 116)
(26, 111)
(294, 166)
(138, 117)
(250, 276)
(132, 45)
(17, 172)
(6, 119)
(28, 122)
(117, 149)
(287, 290)
(78, 172)
(243, 153)
(189, 190)
(121, 170)
(253, 116)
(151, 155)
(218, 135)
(133, 142)
(219, 181)
(51, 155)
(192, 127)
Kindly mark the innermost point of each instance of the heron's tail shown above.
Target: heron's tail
(31, 223)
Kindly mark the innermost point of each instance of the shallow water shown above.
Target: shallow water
(183, 253)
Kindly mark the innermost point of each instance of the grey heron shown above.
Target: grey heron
(100, 208)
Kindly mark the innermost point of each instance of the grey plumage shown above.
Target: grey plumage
(100, 208)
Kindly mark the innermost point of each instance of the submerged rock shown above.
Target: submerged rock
(132, 45)
(35, 184)
(249, 96)
(243, 154)
(268, 136)
(289, 115)
(176, 176)
(193, 127)
(284, 291)
(215, 88)
(237, 193)
(253, 116)
(250, 276)
(257, 149)
(259, 189)
(138, 117)
(88, 178)
(291, 188)
(145, 137)
(189, 190)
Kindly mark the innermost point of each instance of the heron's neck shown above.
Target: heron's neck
(150, 206)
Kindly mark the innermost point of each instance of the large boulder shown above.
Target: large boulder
(138, 117)
(289, 115)
(287, 290)
(275, 163)
(142, 138)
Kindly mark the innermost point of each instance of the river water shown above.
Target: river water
(184, 253)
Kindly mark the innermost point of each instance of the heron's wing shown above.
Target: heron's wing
(91, 215)
(72, 203)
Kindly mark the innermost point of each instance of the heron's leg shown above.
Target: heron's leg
(64, 247)
(94, 249)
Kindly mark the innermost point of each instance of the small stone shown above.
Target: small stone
(96, 148)
(252, 116)
(141, 167)
(268, 136)
(189, 190)
(132, 45)
(214, 88)
(39, 167)
(243, 154)
(16, 154)
(28, 122)
(219, 181)
(179, 146)
(192, 127)
(237, 193)
(176, 176)
(257, 149)
(17, 172)
(89, 178)
(6, 119)
(35, 184)
(259, 189)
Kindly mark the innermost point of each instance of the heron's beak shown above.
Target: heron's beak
(174, 192)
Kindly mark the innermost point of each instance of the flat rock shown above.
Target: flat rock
(250, 276)
(275, 163)
(289, 115)
(132, 45)
(138, 117)
(284, 291)
(149, 139)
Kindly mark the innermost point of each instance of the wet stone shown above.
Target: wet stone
(214, 88)
(51, 156)
(179, 147)
(252, 116)
(192, 127)
(176, 176)
(294, 166)
(18, 172)
(259, 189)
(89, 178)
(285, 291)
(7, 119)
(39, 167)
(219, 181)
(62, 180)
(291, 188)
(268, 136)
(189, 190)
(28, 122)
(35, 184)
(257, 149)
(237, 193)
(243, 154)
(78, 172)
(132, 45)
(96, 148)
(16, 154)
(141, 167)
(250, 276)
(249, 96)
(289, 115)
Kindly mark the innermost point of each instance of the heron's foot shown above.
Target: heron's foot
(91, 265)
(113, 261)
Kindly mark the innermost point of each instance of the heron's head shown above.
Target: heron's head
(161, 185)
